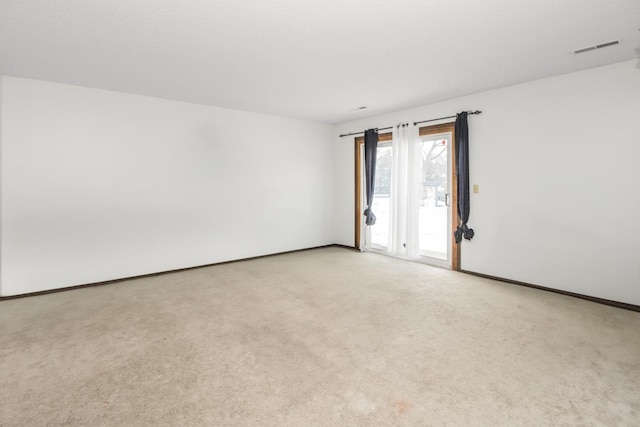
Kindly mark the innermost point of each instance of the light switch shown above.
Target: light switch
(476, 188)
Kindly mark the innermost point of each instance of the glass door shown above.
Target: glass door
(416, 224)
(435, 198)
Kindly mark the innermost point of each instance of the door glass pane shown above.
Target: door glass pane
(381, 205)
(434, 196)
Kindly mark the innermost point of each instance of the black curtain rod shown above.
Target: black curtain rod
(358, 133)
(414, 123)
(448, 117)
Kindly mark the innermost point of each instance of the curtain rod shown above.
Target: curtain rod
(448, 117)
(414, 123)
(357, 133)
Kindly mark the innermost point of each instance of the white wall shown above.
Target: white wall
(99, 185)
(557, 165)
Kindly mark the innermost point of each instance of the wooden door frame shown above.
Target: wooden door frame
(434, 130)
(423, 131)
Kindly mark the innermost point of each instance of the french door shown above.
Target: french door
(432, 209)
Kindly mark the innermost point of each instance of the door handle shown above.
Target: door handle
(446, 199)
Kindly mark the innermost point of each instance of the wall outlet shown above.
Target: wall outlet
(476, 188)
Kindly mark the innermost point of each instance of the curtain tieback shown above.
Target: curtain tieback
(371, 218)
(463, 231)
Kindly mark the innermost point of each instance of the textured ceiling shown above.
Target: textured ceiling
(312, 59)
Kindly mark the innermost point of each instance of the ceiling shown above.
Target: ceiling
(312, 59)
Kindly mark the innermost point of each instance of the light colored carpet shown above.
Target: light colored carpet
(321, 337)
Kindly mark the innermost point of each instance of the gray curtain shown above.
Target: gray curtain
(370, 152)
(462, 169)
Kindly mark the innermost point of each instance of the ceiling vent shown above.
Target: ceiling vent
(600, 46)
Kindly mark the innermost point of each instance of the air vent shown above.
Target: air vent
(599, 46)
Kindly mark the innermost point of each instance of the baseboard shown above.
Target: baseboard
(109, 282)
(352, 248)
(612, 303)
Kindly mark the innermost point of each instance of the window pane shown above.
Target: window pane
(380, 231)
(433, 198)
